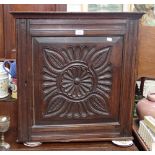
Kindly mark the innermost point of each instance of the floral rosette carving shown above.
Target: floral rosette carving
(77, 82)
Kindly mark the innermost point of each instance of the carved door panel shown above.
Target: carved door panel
(76, 86)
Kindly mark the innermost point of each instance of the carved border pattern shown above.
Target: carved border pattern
(77, 81)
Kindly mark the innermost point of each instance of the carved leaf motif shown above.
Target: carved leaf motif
(94, 106)
(54, 58)
(68, 81)
(98, 105)
(55, 106)
(99, 58)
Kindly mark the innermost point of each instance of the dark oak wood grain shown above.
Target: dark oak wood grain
(76, 87)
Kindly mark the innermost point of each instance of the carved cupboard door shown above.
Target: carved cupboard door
(76, 75)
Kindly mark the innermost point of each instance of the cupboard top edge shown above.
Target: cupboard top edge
(75, 15)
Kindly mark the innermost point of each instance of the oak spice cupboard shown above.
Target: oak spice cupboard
(76, 75)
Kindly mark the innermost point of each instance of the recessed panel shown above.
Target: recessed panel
(74, 81)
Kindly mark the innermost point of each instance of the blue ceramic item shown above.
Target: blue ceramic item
(12, 70)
